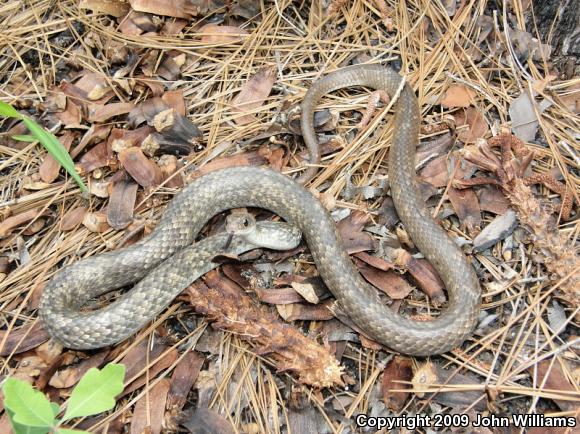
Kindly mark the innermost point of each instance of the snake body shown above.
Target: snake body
(264, 188)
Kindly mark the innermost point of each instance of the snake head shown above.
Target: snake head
(265, 234)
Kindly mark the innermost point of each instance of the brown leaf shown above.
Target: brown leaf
(71, 375)
(50, 167)
(23, 339)
(95, 86)
(252, 158)
(102, 113)
(351, 233)
(116, 8)
(493, 200)
(140, 358)
(457, 96)
(171, 8)
(435, 172)
(375, 261)
(99, 156)
(71, 116)
(431, 376)
(397, 371)
(205, 421)
(96, 134)
(477, 125)
(72, 218)
(424, 274)
(183, 379)
(9, 224)
(557, 380)
(149, 410)
(390, 282)
(216, 34)
(121, 204)
(253, 94)
(466, 206)
(141, 168)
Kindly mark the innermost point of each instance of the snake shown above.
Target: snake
(261, 187)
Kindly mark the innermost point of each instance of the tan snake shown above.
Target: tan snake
(260, 187)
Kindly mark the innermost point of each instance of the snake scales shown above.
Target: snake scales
(264, 188)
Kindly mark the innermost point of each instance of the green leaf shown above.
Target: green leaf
(8, 111)
(24, 138)
(55, 408)
(96, 391)
(55, 148)
(27, 408)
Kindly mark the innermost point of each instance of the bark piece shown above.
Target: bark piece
(23, 339)
(497, 230)
(149, 410)
(397, 371)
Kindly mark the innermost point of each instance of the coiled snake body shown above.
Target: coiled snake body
(264, 188)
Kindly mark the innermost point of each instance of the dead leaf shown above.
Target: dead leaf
(493, 200)
(50, 168)
(466, 206)
(171, 8)
(205, 421)
(72, 218)
(116, 8)
(22, 339)
(457, 95)
(216, 34)
(351, 233)
(182, 380)
(149, 410)
(11, 223)
(424, 274)
(121, 204)
(71, 375)
(253, 94)
(141, 168)
(477, 125)
(389, 282)
(102, 113)
(398, 370)
(523, 116)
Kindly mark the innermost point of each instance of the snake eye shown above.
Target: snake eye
(245, 223)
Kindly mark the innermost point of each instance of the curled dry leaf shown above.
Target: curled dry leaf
(72, 218)
(398, 371)
(99, 156)
(71, 375)
(497, 230)
(216, 34)
(121, 204)
(141, 168)
(11, 223)
(253, 94)
(457, 95)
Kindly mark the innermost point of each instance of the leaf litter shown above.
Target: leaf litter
(148, 95)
